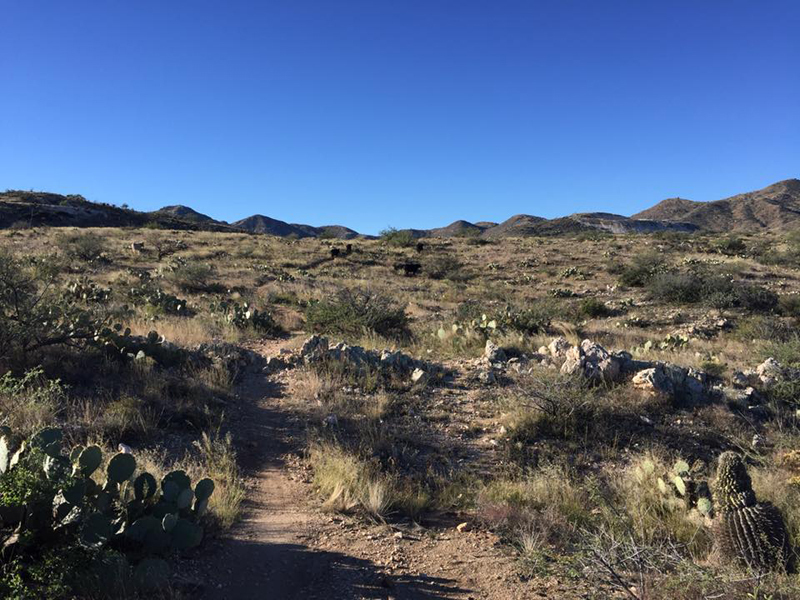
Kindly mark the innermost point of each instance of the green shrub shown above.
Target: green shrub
(84, 246)
(717, 291)
(534, 318)
(244, 316)
(790, 305)
(193, 277)
(35, 315)
(762, 327)
(353, 313)
(642, 269)
(594, 308)
(444, 266)
(158, 302)
(730, 246)
(398, 237)
(786, 351)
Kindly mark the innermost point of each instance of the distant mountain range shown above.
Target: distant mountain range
(774, 208)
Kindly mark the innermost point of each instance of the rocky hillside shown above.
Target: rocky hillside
(619, 224)
(185, 212)
(775, 208)
(270, 226)
(34, 209)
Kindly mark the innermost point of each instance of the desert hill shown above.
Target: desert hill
(775, 207)
(184, 212)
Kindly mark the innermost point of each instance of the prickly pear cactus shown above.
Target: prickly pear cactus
(749, 532)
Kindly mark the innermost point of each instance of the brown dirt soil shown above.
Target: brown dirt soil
(285, 547)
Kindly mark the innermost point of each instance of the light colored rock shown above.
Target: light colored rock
(419, 377)
(314, 348)
(487, 376)
(770, 372)
(674, 381)
(591, 361)
(558, 347)
(493, 352)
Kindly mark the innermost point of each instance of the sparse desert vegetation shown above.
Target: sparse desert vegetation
(559, 402)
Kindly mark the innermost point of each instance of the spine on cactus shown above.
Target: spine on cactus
(749, 532)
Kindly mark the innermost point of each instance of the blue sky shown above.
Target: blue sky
(407, 113)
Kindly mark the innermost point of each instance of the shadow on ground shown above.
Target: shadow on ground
(295, 572)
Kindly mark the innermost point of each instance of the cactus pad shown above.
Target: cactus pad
(144, 486)
(121, 467)
(89, 460)
(204, 489)
(48, 440)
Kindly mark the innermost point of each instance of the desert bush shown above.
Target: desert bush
(730, 246)
(398, 237)
(790, 305)
(642, 269)
(593, 308)
(193, 277)
(352, 313)
(550, 406)
(34, 315)
(785, 350)
(87, 247)
(444, 266)
(535, 317)
(717, 291)
(29, 402)
(245, 316)
(762, 327)
(156, 301)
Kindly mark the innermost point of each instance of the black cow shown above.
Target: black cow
(409, 268)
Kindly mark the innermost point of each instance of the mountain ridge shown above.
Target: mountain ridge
(775, 207)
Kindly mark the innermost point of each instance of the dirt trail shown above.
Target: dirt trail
(268, 554)
(284, 548)
(264, 555)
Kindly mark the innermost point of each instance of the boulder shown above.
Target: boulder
(770, 372)
(487, 376)
(591, 361)
(558, 347)
(314, 348)
(493, 352)
(679, 383)
(419, 377)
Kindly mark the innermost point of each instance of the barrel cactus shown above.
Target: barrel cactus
(749, 532)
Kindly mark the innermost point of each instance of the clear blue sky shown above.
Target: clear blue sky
(407, 113)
